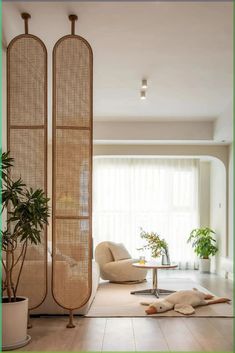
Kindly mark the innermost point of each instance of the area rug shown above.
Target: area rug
(115, 300)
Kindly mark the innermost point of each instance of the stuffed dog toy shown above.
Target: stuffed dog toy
(183, 302)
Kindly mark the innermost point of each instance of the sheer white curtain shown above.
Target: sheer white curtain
(159, 195)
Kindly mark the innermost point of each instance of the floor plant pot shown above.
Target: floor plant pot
(204, 265)
(14, 323)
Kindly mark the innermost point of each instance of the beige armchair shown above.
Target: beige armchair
(116, 263)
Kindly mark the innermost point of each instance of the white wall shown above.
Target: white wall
(217, 151)
(223, 127)
(218, 211)
(4, 110)
(153, 131)
(230, 203)
(204, 193)
(221, 221)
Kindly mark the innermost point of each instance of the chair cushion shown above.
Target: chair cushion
(119, 251)
(123, 271)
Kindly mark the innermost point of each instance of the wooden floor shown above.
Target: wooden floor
(139, 334)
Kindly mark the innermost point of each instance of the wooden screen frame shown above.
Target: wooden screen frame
(79, 128)
(43, 127)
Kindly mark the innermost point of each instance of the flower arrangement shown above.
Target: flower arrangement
(157, 245)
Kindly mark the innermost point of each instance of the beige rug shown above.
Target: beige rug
(115, 300)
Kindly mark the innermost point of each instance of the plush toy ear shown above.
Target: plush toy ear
(184, 309)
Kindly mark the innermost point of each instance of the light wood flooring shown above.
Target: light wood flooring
(139, 334)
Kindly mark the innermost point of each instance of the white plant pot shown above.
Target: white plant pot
(204, 265)
(14, 324)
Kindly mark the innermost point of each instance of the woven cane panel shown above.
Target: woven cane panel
(27, 148)
(71, 284)
(27, 143)
(72, 168)
(72, 172)
(27, 82)
(72, 69)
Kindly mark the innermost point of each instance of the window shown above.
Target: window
(159, 195)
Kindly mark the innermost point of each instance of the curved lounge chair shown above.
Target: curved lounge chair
(116, 263)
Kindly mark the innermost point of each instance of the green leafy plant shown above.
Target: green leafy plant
(157, 245)
(203, 242)
(27, 213)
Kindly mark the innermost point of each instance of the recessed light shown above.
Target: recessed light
(144, 83)
(142, 95)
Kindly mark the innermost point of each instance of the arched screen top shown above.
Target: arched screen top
(72, 73)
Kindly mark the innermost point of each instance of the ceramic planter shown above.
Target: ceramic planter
(14, 324)
(204, 265)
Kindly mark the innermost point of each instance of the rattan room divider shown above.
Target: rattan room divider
(72, 171)
(27, 142)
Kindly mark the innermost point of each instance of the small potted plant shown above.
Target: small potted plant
(204, 245)
(158, 246)
(26, 212)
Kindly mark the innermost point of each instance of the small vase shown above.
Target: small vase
(166, 258)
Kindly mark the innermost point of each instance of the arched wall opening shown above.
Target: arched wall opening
(213, 184)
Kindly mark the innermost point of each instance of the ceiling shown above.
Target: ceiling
(184, 49)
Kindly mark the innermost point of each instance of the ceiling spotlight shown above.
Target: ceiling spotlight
(142, 95)
(144, 83)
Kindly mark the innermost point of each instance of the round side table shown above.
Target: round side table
(154, 267)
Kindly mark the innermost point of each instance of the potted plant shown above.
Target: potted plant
(158, 246)
(204, 246)
(26, 211)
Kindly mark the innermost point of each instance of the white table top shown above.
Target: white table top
(154, 264)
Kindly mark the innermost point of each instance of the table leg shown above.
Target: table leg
(154, 278)
(165, 291)
(155, 290)
(144, 291)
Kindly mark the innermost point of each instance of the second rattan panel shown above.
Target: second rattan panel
(72, 171)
